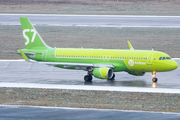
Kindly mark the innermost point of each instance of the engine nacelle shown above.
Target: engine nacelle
(137, 73)
(103, 73)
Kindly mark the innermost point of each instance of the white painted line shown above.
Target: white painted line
(88, 87)
(107, 26)
(176, 58)
(11, 60)
(90, 15)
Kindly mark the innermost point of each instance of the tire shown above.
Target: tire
(154, 79)
(88, 78)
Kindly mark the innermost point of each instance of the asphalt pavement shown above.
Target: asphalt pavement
(93, 20)
(56, 113)
(19, 71)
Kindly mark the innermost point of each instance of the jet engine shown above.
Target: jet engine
(103, 73)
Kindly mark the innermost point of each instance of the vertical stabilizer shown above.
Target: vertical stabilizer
(32, 38)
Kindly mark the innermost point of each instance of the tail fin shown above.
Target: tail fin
(32, 38)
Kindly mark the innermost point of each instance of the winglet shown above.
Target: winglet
(24, 56)
(130, 46)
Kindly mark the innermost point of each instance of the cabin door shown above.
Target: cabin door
(149, 59)
(44, 56)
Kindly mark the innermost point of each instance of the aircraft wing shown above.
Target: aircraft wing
(77, 64)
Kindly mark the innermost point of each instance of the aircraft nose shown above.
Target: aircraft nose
(174, 65)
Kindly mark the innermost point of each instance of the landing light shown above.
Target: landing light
(154, 85)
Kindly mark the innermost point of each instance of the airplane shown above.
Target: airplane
(100, 63)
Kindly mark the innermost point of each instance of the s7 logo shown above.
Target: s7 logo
(26, 37)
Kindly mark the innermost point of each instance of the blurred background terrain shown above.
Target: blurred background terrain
(161, 39)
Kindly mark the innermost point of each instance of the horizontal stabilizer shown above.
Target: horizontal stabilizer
(24, 56)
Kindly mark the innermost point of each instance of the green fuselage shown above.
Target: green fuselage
(122, 60)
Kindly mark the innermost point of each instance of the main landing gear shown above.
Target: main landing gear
(154, 79)
(88, 78)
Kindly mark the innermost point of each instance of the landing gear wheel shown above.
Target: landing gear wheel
(155, 80)
(88, 78)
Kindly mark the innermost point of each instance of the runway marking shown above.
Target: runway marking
(89, 87)
(91, 15)
(12, 60)
(107, 26)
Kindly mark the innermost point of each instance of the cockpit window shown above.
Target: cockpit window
(168, 58)
(164, 58)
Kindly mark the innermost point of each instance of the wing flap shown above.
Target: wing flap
(77, 64)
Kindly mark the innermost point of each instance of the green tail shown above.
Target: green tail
(32, 38)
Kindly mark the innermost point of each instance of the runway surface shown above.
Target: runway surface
(49, 113)
(89, 87)
(94, 20)
(19, 71)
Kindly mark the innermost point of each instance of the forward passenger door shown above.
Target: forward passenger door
(149, 59)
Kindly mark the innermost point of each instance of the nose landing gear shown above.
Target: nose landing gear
(154, 79)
